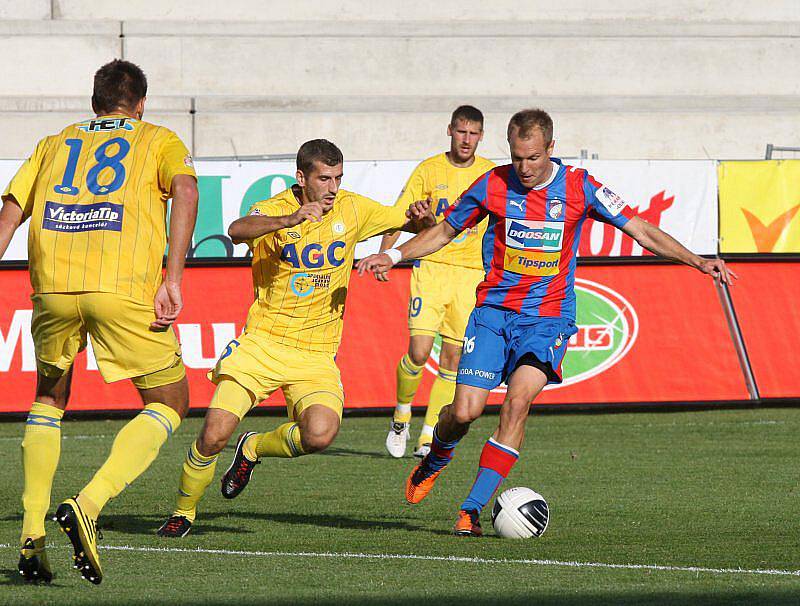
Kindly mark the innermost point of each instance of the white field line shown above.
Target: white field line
(76, 437)
(455, 559)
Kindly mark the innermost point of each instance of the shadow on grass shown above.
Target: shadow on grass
(212, 522)
(349, 452)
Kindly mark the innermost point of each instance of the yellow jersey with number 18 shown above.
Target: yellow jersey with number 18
(96, 195)
(444, 183)
(301, 273)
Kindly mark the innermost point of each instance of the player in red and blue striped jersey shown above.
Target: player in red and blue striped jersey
(525, 308)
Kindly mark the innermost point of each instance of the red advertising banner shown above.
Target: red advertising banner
(766, 300)
(646, 334)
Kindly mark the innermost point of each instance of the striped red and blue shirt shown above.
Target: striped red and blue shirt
(531, 242)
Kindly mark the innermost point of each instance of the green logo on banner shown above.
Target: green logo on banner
(211, 232)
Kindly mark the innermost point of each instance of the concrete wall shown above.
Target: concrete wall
(622, 79)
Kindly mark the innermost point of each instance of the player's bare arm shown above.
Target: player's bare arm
(662, 244)
(251, 227)
(10, 219)
(420, 215)
(168, 300)
(424, 243)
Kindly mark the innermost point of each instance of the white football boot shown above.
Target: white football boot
(396, 439)
(422, 451)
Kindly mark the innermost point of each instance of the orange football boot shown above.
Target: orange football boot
(420, 482)
(468, 524)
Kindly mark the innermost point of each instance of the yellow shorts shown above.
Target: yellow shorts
(261, 366)
(442, 297)
(122, 341)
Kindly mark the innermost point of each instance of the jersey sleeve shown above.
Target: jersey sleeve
(470, 208)
(21, 187)
(604, 205)
(413, 190)
(266, 208)
(174, 159)
(375, 218)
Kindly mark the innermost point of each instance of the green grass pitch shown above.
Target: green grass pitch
(715, 490)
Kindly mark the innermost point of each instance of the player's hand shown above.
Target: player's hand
(717, 269)
(381, 276)
(377, 264)
(421, 212)
(310, 211)
(168, 304)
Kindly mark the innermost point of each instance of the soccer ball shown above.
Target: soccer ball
(520, 513)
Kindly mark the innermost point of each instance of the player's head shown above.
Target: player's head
(319, 171)
(530, 140)
(465, 131)
(119, 86)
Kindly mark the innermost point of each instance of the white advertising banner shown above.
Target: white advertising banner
(678, 196)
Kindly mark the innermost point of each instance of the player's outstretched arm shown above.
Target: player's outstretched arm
(246, 229)
(662, 244)
(10, 219)
(419, 217)
(168, 301)
(424, 243)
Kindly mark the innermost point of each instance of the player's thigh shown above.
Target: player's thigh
(428, 300)
(464, 281)
(314, 381)
(124, 344)
(248, 370)
(58, 333)
(542, 344)
(483, 356)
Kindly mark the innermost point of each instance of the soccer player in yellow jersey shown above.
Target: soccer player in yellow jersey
(442, 284)
(303, 242)
(96, 194)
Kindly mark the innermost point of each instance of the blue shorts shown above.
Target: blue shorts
(497, 340)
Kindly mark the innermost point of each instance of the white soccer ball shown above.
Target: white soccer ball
(520, 513)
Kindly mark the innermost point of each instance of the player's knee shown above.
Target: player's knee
(463, 415)
(317, 440)
(212, 441)
(418, 355)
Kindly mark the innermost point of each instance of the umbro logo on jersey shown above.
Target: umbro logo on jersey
(293, 234)
(106, 125)
(82, 217)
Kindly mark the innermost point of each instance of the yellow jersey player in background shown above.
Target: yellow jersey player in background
(303, 242)
(443, 284)
(96, 195)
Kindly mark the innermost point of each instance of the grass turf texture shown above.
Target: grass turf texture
(716, 489)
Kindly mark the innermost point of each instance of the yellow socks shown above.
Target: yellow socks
(134, 448)
(442, 393)
(41, 448)
(408, 377)
(282, 442)
(198, 471)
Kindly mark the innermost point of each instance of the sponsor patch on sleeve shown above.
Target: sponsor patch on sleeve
(188, 161)
(255, 211)
(611, 201)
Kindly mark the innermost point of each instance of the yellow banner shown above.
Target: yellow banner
(759, 206)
